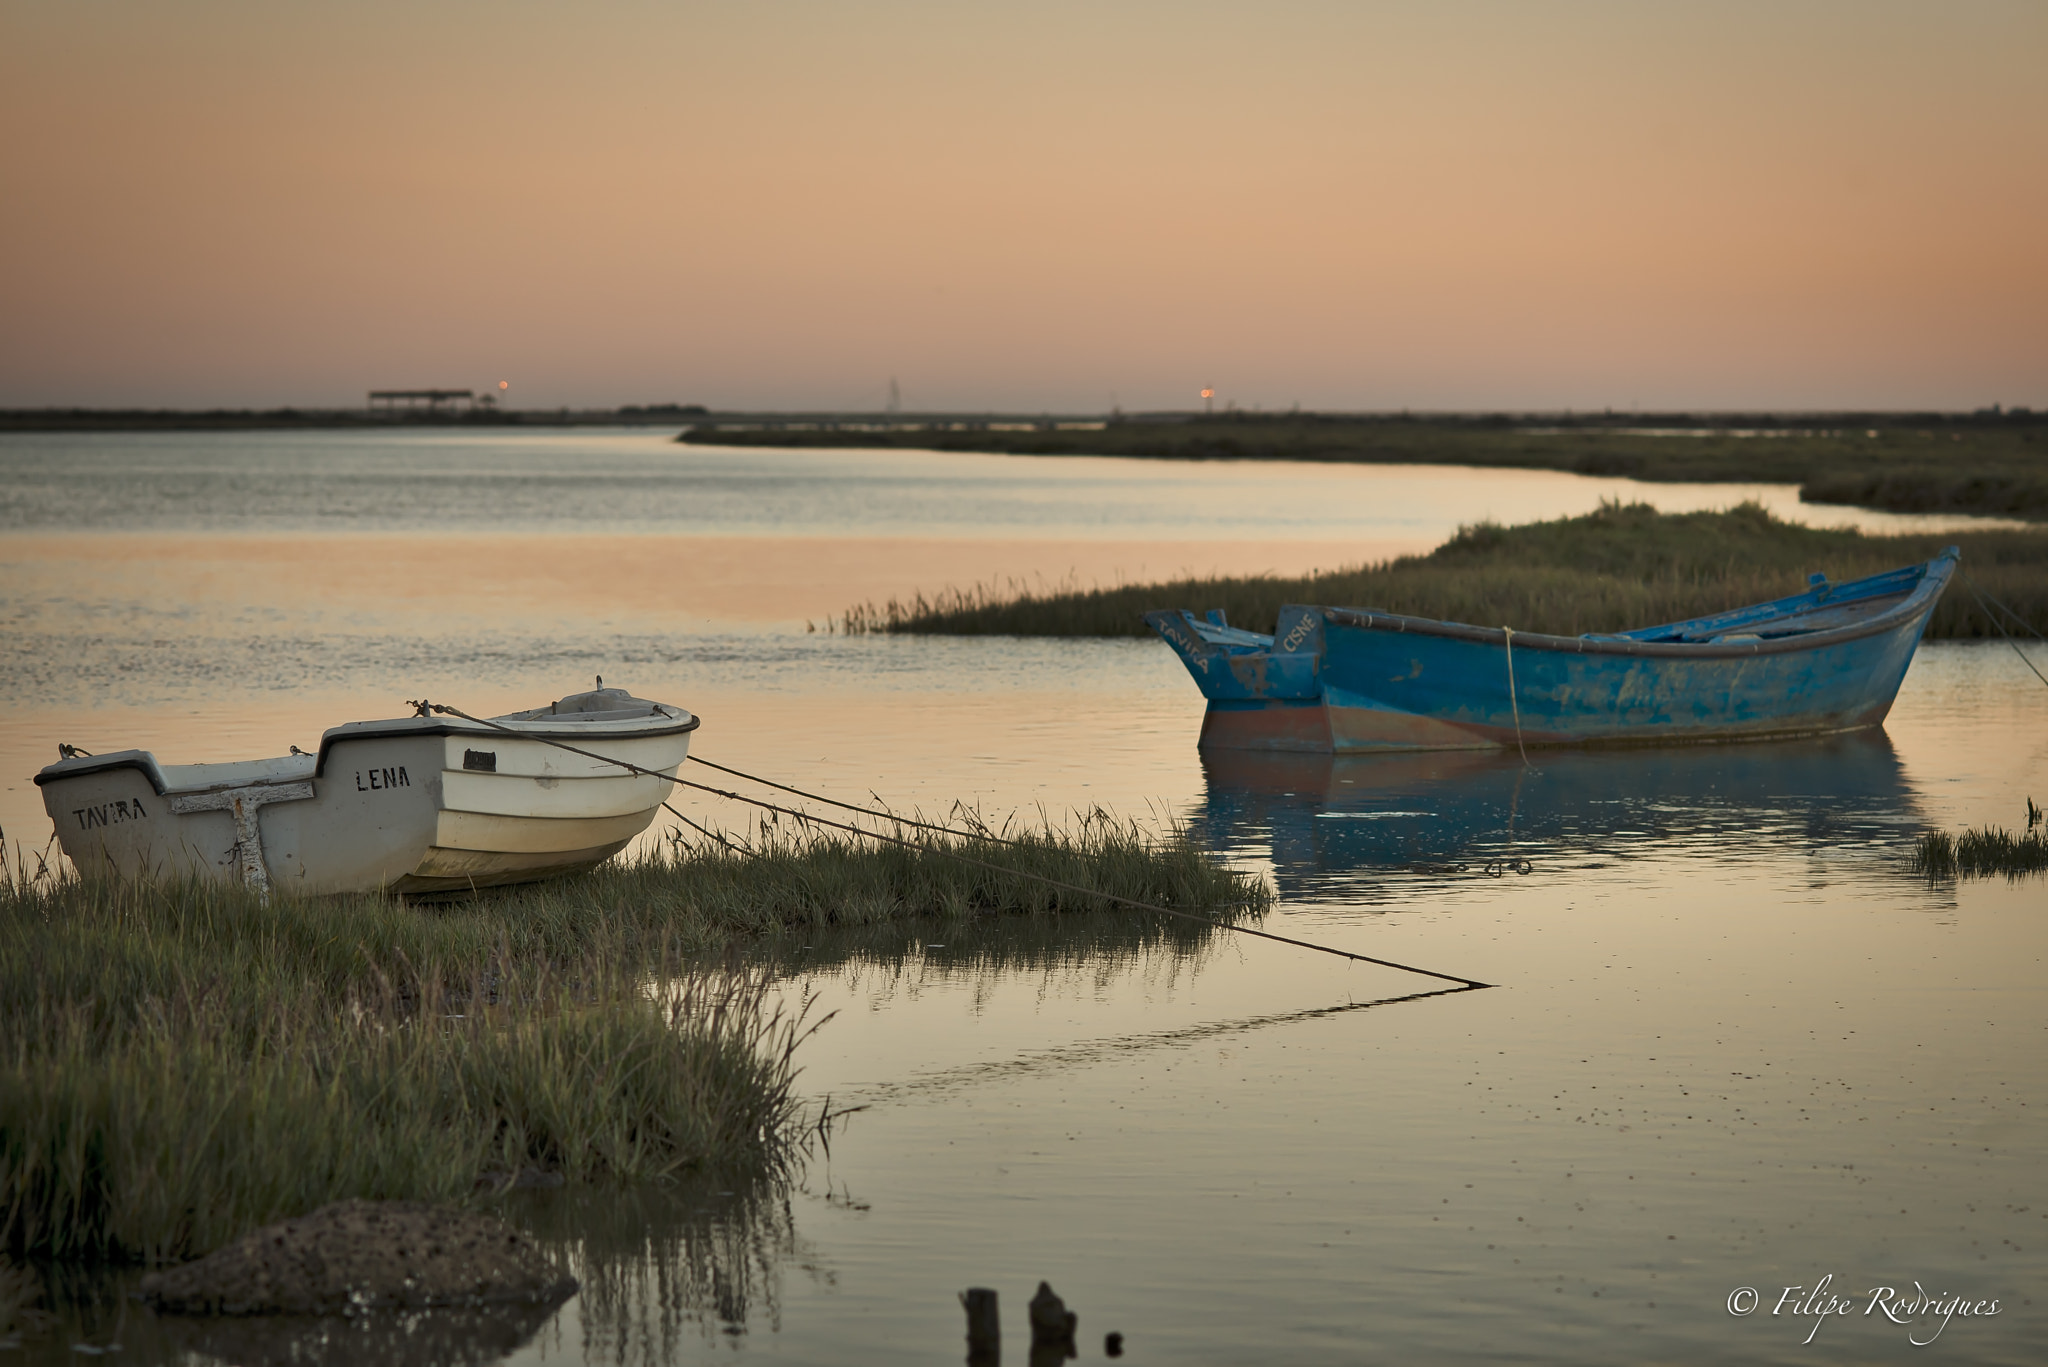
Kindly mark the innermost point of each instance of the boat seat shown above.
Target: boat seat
(247, 773)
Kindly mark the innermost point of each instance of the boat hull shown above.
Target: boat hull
(410, 806)
(1404, 692)
(1362, 682)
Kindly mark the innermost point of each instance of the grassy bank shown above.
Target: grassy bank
(1986, 464)
(179, 1063)
(1623, 566)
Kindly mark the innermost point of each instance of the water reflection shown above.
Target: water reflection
(425, 1338)
(1342, 825)
(667, 1268)
(96, 1314)
(1102, 945)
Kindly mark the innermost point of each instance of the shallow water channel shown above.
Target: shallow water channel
(1734, 1044)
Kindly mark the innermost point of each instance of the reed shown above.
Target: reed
(182, 1061)
(790, 877)
(219, 1107)
(1620, 567)
(1983, 852)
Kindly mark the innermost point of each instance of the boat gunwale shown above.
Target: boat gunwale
(525, 730)
(145, 761)
(1919, 602)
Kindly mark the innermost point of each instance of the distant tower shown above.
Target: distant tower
(1209, 400)
(895, 396)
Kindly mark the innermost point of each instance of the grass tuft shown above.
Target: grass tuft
(1980, 853)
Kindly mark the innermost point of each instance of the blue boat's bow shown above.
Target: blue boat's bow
(1241, 666)
(1264, 692)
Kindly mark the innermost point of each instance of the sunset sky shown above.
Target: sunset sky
(1052, 206)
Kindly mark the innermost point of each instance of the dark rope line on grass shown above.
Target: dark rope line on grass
(1978, 588)
(1980, 595)
(1074, 887)
(709, 834)
(881, 815)
(956, 855)
(978, 829)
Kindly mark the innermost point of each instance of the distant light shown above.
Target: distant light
(1208, 393)
(504, 384)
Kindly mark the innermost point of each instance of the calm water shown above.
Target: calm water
(1735, 1043)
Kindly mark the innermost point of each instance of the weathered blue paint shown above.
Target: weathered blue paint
(1245, 666)
(1353, 680)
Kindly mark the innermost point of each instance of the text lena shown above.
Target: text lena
(381, 778)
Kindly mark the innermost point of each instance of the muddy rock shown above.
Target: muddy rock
(363, 1255)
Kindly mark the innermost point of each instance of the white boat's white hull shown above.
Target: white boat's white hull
(416, 805)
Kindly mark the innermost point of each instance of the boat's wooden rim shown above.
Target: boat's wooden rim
(403, 728)
(1919, 602)
(409, 727)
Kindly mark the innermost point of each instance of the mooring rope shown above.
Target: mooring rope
(1508, 639)
(1219, 924)
(704, 831)
(1980, 593)
(878, 813)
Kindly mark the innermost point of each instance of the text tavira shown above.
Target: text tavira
(110, 813)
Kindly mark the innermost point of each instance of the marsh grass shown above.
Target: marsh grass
(1983, 852)
(791, 877)
(182, 1061)
(214, 1108)
(1620, 567)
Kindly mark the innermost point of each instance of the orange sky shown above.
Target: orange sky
(1049, 206)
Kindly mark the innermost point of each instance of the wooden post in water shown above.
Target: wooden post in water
(1052, 1324)
(984, 1330)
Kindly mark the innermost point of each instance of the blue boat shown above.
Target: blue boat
(1357, 680)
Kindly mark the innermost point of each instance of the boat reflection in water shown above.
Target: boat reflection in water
(1341, 824)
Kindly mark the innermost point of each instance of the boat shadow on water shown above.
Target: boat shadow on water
(1353, 826)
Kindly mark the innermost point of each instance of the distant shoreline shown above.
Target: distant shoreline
(286, 419)
(1233, 435)
(1992, 463)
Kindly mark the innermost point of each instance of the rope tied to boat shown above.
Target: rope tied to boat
(1980, 593)
(1220, 924)
(1507, 635)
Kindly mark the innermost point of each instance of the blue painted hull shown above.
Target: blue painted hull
(1342, 680)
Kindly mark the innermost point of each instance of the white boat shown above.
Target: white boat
(417, 804)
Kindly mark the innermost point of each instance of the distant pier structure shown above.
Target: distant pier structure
(400, 401)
